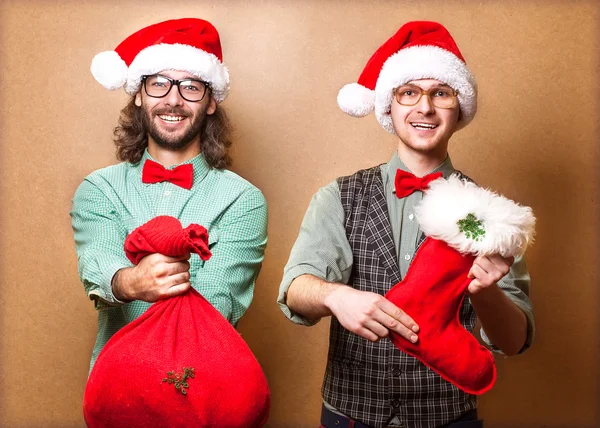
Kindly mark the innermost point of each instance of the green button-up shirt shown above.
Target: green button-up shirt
(322, 248)
(113, 201)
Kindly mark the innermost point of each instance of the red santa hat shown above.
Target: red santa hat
(187, 44)
(419, 50)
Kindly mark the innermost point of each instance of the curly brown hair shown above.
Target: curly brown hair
(131, 136)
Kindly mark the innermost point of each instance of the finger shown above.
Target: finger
(494, 272)
(367, 334)
(480, 274)
(474, 286)
(180, 278)
(178, 267)
(377, 328)
(398, 314)
(502, 263)
(484, 263)
(177, 259)
(396, 326)
(178, 289)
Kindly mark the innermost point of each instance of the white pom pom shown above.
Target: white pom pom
(109, 70)
(356, 100)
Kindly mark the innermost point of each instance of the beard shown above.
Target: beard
(168, 140)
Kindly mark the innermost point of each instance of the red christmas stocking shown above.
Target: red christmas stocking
(461, 221)
(180, 364)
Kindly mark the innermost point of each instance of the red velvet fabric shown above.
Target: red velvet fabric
(129, 384)
(416, 33)
(165, 235)
(432, 294)
(193, 32)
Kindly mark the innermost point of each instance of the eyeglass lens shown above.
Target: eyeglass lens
(441, 96)
(158, 86)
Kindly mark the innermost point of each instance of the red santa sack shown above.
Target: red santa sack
(180, 364)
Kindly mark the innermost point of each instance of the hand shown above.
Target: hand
(370, 315)
(155, 277)
(487, 271)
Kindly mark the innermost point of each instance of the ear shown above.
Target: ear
(212, 106)
(138, 99)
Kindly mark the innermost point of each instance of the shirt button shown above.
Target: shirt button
(396, 403)
(407, 257)
(168, 193)
(410, 217)
(396, 372)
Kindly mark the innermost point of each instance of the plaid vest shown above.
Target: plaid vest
(372, 382)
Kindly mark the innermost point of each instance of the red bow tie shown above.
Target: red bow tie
(182, 176)
(407, 183)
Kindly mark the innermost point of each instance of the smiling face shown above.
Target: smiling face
(423, 128)
(173, 123)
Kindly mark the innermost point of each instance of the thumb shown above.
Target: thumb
(473, 286)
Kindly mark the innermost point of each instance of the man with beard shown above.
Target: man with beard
(173, 139)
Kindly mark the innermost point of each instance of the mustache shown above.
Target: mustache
(171, 112)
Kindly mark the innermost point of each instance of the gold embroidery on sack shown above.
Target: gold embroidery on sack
(472, 227)
(179, 379)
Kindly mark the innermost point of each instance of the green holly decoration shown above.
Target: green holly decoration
(179, 379)
(472, 227)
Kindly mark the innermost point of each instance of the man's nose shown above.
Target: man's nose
(173, 98)
(425, 106)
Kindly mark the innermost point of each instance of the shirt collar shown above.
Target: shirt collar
(200, 165)
(395, 163)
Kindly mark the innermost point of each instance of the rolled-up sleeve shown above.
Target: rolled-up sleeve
(321, 248)
(515, 286)
(98, 242)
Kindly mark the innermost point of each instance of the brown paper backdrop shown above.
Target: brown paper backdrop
(534, 140)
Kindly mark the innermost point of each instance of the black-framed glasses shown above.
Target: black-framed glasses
(158, 86)
(440, 96)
